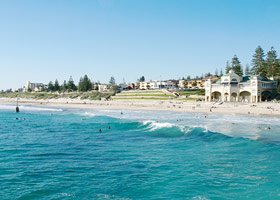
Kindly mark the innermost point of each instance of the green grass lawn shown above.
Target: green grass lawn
(151, 95)
(142, 91)
(196, 92)
(141, 98)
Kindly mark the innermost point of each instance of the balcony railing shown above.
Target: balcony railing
(244, 85)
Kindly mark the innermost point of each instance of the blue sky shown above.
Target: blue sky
(160, 39)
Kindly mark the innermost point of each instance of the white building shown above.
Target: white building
(232, 87)
(102, 87)
(34, 86)
(169, 84)
(155, 85)
(144, 85)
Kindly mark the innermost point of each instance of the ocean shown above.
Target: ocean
(53, 153)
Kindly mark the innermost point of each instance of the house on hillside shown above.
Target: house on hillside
(196, 83)
(130, 86)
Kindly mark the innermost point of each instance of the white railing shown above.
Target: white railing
(244, 85)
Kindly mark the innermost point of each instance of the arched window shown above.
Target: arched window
(226, 80)
(234, 80)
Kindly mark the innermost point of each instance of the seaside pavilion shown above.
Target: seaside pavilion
(234, 88)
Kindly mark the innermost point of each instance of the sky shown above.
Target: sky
(46, 40)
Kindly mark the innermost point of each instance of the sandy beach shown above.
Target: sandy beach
(258, 109)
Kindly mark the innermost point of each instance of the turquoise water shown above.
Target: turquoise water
(59, 154)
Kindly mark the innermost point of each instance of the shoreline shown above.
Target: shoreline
(267, 109)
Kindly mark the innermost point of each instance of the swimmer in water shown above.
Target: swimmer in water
(109, 127)
(100, 131)
(268, 128)
(121, 113)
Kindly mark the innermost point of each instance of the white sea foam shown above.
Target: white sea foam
(88, 114)
(200, 198)
(154, 125)
(28, 108)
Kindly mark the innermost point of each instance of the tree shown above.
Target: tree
(71, 85)
(56, 85)
(221, 72)
(114, 88)
(236, 66)
(185, 83)
(81, 85)
(272, 63)
(194, 84)
(258, 62)
(112, 81)
(85, 84)
(216, 72)
(50, 86)
(228, 68)
(142, 79)
(247, 70)
(64, 86)
(188, 77)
